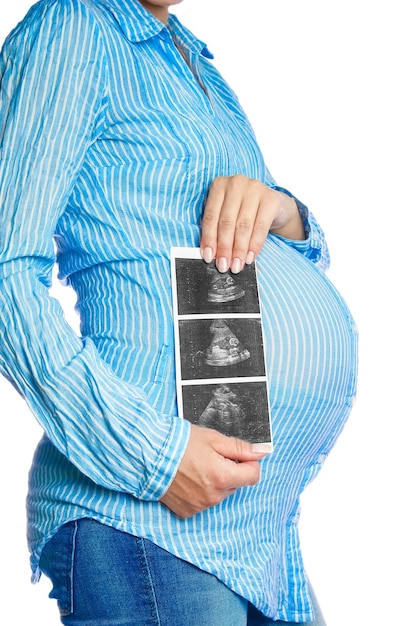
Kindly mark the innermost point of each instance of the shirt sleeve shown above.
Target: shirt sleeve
(52, 103)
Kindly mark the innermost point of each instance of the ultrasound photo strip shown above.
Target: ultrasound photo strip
(220, 359)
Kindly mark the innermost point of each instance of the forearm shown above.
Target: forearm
(104, 426)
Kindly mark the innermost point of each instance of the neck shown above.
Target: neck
(161, 13)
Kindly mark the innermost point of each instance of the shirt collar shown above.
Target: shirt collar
(186, 37)
(138, 24)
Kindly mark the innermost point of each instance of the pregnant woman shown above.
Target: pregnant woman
(119, 139)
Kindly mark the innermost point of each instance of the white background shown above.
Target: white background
(330, 89)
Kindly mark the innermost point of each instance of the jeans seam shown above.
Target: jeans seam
(72, 565)
(150, 587)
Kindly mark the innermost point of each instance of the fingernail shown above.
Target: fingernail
(222, 264)
(236, 266)
(207, 255)
(261, 448)
(250, 258)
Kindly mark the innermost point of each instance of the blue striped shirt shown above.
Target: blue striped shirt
(109, 142)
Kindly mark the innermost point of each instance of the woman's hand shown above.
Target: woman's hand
(238, 215)
(213, 467)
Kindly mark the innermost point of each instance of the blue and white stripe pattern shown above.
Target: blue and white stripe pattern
(109, 142)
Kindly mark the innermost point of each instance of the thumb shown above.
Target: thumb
(239, 450)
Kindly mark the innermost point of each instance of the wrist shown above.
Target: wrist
(290, 224)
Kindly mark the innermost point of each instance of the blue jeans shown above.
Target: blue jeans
(104, 577)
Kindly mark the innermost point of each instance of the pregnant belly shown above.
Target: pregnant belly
(311, 352)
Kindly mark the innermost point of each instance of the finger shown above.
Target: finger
(261, 227)
(209, 224)
(250, 231)
(227, 224)
(241, 475)
(237, 219)
(236, 449)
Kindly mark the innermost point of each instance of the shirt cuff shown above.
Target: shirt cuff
(314, 246)
(168, 460)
